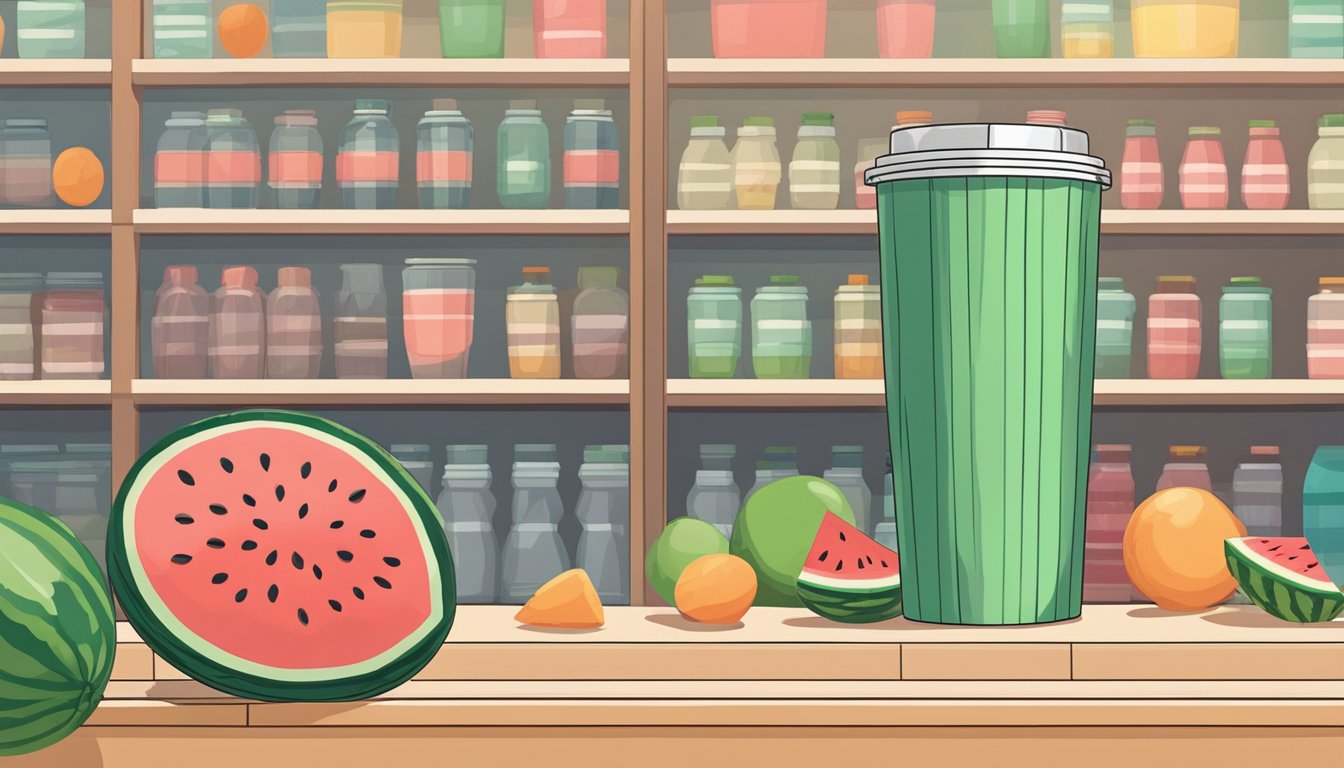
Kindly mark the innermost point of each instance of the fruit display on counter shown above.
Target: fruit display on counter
(848, 577)
(1174, 552)
(57, 633)
(681, 543)
(776, 528)
(568, 601)
(1283, 576)
(716, 589)
(279, 556)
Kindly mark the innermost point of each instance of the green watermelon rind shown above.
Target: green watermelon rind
(1277, 591)
(857, 606)
(178, 652)
(57, 708)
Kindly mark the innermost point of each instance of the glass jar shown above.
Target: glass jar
(781, 334)
(368, 164)
(768, 29)
(17, 347)
(1110, 504)
(532, 317)
(295, 160)
(299, 29)
(1184, 29)
(50, 29)
(524, 157)
(780, 461)
(444, 147)
(814, 171)
(360, 328)
(438, 303)
(1264, 176)
(1186, 468)
(865, 197)
(1174, 336)
(1325, 330)
(600, 326)
(592, 174)
(1087, 29)
(1115, 329)
(705, 174)
(570, 29)
(471, 29)
(534, 553)
(364, 29)
(1257, 492)
(858, 330)
(1316, 29)
(1022, 29)
(25, 163)
(846, 473)
(1204, 171)
(468, 509)
(293, 327)
(603, 511)
(1246, 329)
(74, 316)
(756, 165)
(415, 459)
(1142, 179)
(238, 326)
(714, 327)
(715, 497)
(1323, 508)
(179, 162)
(905, 28)
(180, 329)
(233, 161)
(1325, 175)
(185, 29)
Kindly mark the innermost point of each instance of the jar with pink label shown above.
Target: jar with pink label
(592, 160)
(570, 29)
(1264, 177)
(1325, 330)
(905, 28)
(600, 326)
(369, 162)
(1142, 184)
(1110, 504)
(294, 162)
(180, 329)
(768, 29)
(238, 326)
(1174, 333)
(1204, 171)
(293, 327)
(73, 318)
(438, 305)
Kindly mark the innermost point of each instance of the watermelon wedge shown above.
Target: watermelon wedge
(278, 556)
(848, 577)
(1283, 576)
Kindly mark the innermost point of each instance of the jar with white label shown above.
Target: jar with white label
(756, 165)
(705, 175)
(814, 172)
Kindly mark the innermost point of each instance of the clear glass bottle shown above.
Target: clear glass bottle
(814, 171)
(369, 162)
(780, 461)
(293, 327)
(294, 162)
(1257, 492)
(445, 147)
(360, 327)
(467, 505)
(233, 161)
(756, 165)
(25, 163)
(884, 532)
(1325, 175)
(603, 511)
(781, 334)
(592, 160)
(180, 329)
(532, 318)
(73, 322)
(600, 326)
(705, 174)
(1087, 29)
(415, 458)
(237, 326)
(533, 552)
(1115, 329)
(714, 327)
(846, 473)
(50, 29)
(1246, 329)
(1142, 180)
(179, 162)
(715, 497)
(1325, 330)
(524, 157)
(17, 341)
(185, 29)
(299, 29)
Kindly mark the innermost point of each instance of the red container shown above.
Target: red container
(1174, 332)
(570, 29)
(1264, 177)
(1204, 171)
(769, 29)
(905, 28)
(1110, 503)
(1141, 176)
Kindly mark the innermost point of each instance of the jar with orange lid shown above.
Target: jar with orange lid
(1325, 330)
(1186, 468)
(532, 317)
(1047, 117)
(910, 117)
(858, 330)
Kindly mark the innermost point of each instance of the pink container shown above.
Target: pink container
(1325, 330)
(1204, 171)
(1174, 339)
(1264, 177)
(570, 29)
(769, 29)
(1110, 503)
(238, 326)
(439, 316)
(905, 28)
(1141, 180)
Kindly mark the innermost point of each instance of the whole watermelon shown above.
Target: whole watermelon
(57, 633)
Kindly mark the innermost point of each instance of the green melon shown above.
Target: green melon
(681, 543)
(775, 531)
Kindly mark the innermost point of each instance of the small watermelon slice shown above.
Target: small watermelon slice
(1283, 576)
(278, 556)
(848, 577)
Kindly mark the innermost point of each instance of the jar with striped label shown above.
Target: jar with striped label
(368, 164)
(858, 330)
(532, 316)
(25, 163)
(232, 161)
(1174, 333)
(1142, 183)
(444, 146)
(238, 326)
(756, 165)
(781, 334)
(714, 327)
(299, 29)
(360, 327)
(438, 304)
(1325, 330)
(180, 162)
(1316, 29)
(1110, 504)
(705, 175)
(293, 327)
(1325, 182)
(180, 329)
(600, 326)
(1204, 183)
(865, 197)
(295, 160)
(17, 348)
(1088, 29)
(184, 29)
(1264, 176)
(1115, 329)
(74, 314)
(523, 164)
(50, 29)
(592, 157)
(1246, 329)
(814, 171)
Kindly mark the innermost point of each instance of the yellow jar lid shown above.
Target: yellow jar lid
(1188, 451)
(1332, 281)
(858, 279)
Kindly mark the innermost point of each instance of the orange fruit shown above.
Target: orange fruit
(1174, 549)
(243, 29)
(77, 177)
(568, 601)
(716, 589)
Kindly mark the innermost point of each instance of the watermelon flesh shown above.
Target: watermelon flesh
(1283, 576)
(848, 577)
(278, 556)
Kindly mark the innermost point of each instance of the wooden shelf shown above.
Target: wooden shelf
(359, 393)
(986, 73)
(1216, 392)
(55, 392)
(462, 73)
(55, 221)
(86, 73)
(201, 221)
(775, 393)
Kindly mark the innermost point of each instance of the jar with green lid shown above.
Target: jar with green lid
(705, 175)
(524, 157)
(714, 327)
(756, 165)
(781, 334)
(1245, 329)
(1115, 329)
(1325, 175)
(814, 171)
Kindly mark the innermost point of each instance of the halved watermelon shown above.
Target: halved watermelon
(1283, 576)
(849, 577)
(278, 556)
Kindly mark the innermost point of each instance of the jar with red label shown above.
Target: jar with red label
(443, 157)
(73, 315)
(1264, 177)
(1174, 330)
(232, 161)
(367, 166)
(1141, 176)
(1204, 170)
(592, 157)
(179, 162)
(295, 160)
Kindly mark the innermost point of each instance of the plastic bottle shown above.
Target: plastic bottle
(532, 317)
(780, 461)
(884, 532)
(714, 327)
(600, 326)
(1186, 468)
(1115, 329)
(1325, 177)
(237, 326)
(438, 302)
(1325, 330)
(1022, 29)
(295, 160)
(179, 162)
(293, 327)
(524, 157)
(570, 29)
(364, 29)
(781, 334)
(25, 163)
(1142, 184)
(715, 497)
(368, 164)
(1264, 176)
(858, 330)
(846, 473)
(705, 174)
(604, 512)
(468, 508)
(299, 29)
(814, 171)
(1204, 183)
(184, 29)
(73, 319)
(471, 29)
(50, 29)
(1087, 29)
(1257, 492)
(905, 28)
(1316, 29)
(233, 161)
(1246, 329)
(445, 147)
(533, 551)
(180, 329)
(17, 341)
(360, 326)
(1110, 504)
(415, 458)
(1174, 334)
(592, 160)
(756, 165)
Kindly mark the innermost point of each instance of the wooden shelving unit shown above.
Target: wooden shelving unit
(56, 393)
(460, 73)
(55, 221)
(200, 221)
(75, 73)
(390, 392)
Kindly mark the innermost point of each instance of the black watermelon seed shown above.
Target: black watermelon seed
(331, 488)
(303, 511)
(306, 470)
(226, 465)
(345, 555)
(181, 559)
(861, 565)
(1305, 546)
(249, 545)
(825, 553)
(303, 617)
(884, 564)
(359, 593)
(185, 477)
(271, 558)
(297, 560)
(357, 496)
(337, 524)
(260, 524)
(839, 564)
(335, 606)
(273, 593)
(279, 493)
(240, 596)
(249, 501)
(219, 578)
(317, 572)
(219, 509)
(392, 561)
(184, 519)
(265, 462)
(842, 535)
(368, 534)
(380, 581)
(870, 559)
(214, 543)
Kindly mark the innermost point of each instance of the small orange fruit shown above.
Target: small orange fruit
(716, 589)
(1174, 549)
(77, 177)
(243, 30)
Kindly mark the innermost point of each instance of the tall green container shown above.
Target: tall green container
(988, 237)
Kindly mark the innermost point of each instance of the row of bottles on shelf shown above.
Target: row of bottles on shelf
(52, 325)
(781, 333)
(215, 161)
(241, 332)
(182, 29)
(72, 481)
(1245, 329)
